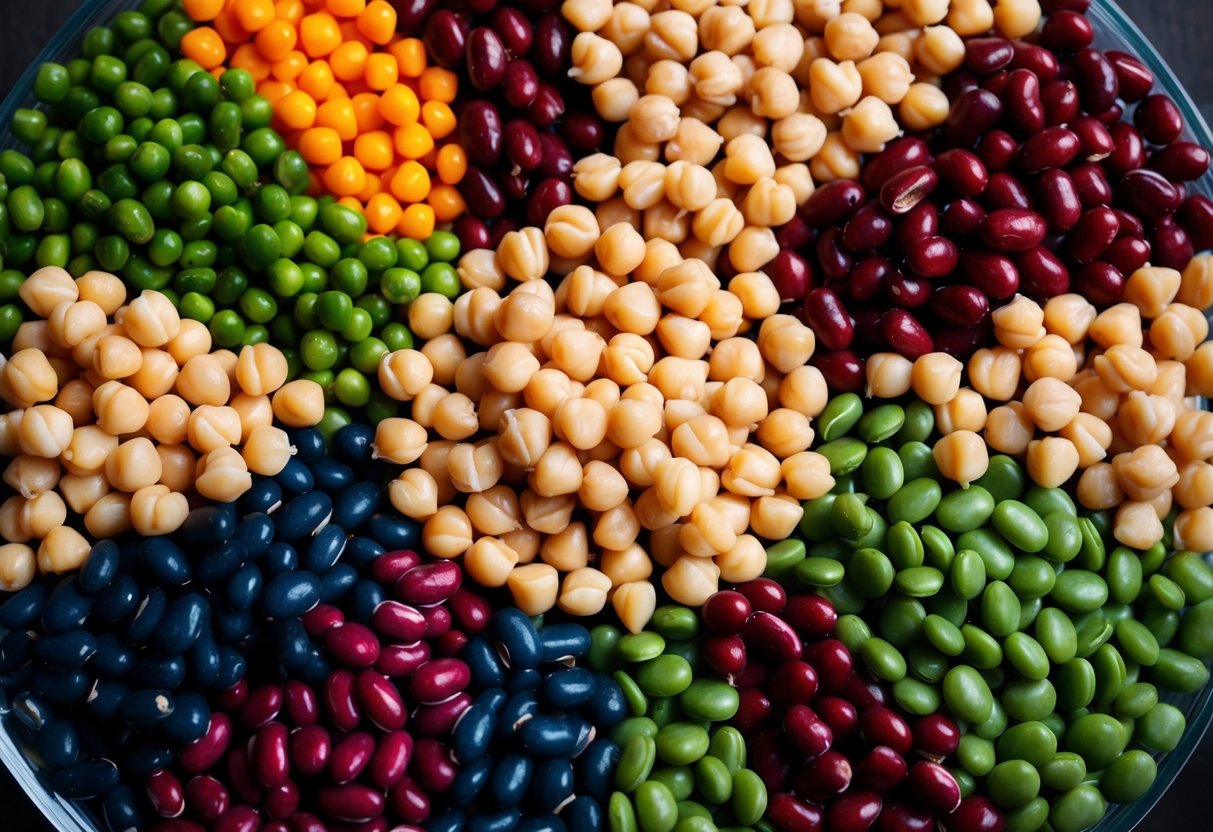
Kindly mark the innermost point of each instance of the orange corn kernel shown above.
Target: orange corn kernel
(438, 118)
(247, 57)
(352, 203)
(292, 11)
(374, 185)
(446, 202)
(273, 91)
(374, 150)
(204, 46)
(317, 79)
(338, 114)
(349, 32)
(438, 84)
(366, 110)
(383, 213)
(297, 110)
(410, 55)
(319, 34)
(345, 177)
(320, 145)
(229, 27)
(378, 22)
(337, 92)
(349, 61)
(201, 10)
(452, 164)
(411, 183)
(399, 106)
(413, 141)
(254, 15)
(417, 221)
(382, 71)
(290, 67)
(346, 8)
(276, 40)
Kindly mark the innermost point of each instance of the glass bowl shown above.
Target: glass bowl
(1114, 30)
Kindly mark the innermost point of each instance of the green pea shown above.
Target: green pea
(664, 676)
(1179, 672)
(621, 817)
(1078, 590)
(397, 336)
(25, 208)
(915, 501)
(227, 329)
(870, 572)
(1097, 738)
(352, 388)
(965, 509)
(1065, 537)
(919, 422)
(345, 225)
(1056, 634)
(1030, 741)
(639, 647)
(844, 455)
(882, 473)
(1192, 575)
(976, 754)
(782, 558)
(1166, 592)
(442, 279)
(197, 307)
(1020, 526)
(749, 802)
(967, 695)
(1029, 817)
(993, 549)
(1161, 728)
(1013, 783)
(1077, 809)
(682, 743)
(51, 83)
(916, 697)
(260, 246)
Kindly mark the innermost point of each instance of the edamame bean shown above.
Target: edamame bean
(916, 697)
(749, 801)
(819, 572)
(1097, 738)
(905, 549)
(981, 649)
(604, 639)
(1077, 809)
(714, 779)
(1065, 537)
(1135, 700)
(664, 676)
(1020, 526)
(1030, 741)
(968, 576)
(1026, 655)
(680, 780)
(915, 501)
(1029, 817)
(1000, 609)
(901, 620)
(881, 423)
(1013, 783)
(1028, 699)
(1110, 673)
(883, 659)
(852, 631)
(938, 550)
(998, 557)
(1195, 632)
(850, 517)
(1004, 478)
(1079, 591)
(728, 746)
(943, 635)
(839, 416)
(965, 509)
(621, 816)
(882, 473)
(1032, 577)
(635, 762)
(976, 754)
(1161, 728)
(919, 422)
(633, 726)
(1056, 634)
(844, 455)
(870, 573)
(639, 647)
(638, 703)
(1128, 777)
(710, 699)
(919, 581)
(1166, 592)
(967, 695)
(1179, 672)
(1064, 771)
(656, 808)
(1191, 574)
(682, 743)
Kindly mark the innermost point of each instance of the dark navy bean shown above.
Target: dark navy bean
(526, 679)
(303, 516)
(59, 685)
(265, 495)
(291, 595)
(511, 779)
(58, 744)
(100, 568)
(360, 551)
(22, 608)
(208, 526)
(353, 443)
(120, 810)
(221, 561)
(165, 562)
(325, 549)
(144, 708)
(472, 733)
(204, 659)
(563, 641)
(317, 668)
(518, 638)
(105, 697)
(520, 707)
(117, 600)
(17, 679)
(279, 559)
(31, 711)
(502, 820)
(86, 780)
(470, 782)
(555, 736)
(308, 442)
(182, 623)
(234, 625)
(608, 705)
(291, 642)
(295, 477)
(147, 617)
(552, 784)
(483, 662)
(190, 719)
(362, 599)
(146, 756)
(114, 657)
(568, 689)
(584, 813)
(336, 582)
(256, 531)
(542, 823)
(231, 667)
(597, 768)
(244, 587)
(453, 820)
(67, 608)
(354, 505)
(331, 475)
(66, 651)
(394, 532)
(167, 672)
(15, 650)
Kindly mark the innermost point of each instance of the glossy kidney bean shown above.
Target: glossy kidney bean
(833, 259)
(935, 786)
(351, 803)
(1021, 97)
(904, 190)
(866, 279)
(792, 814)
(521, 83)
(388, 567)
(433, 764)
(1100, 282)
(1058, 200)
(932, 257)
(1093, 233)
(922, 221)
(867, 321)
(202, 754)
(897, 156)
(553, 42)
(548, 106)
(1130, 152)
(302, 706)
(807, 731)
(1159, 120)
(206, 797)
(825, 313)
(380, 700)
(1061, 102)
(1066, 31)
(269, 755)
(338, 697)
(971, 115)
(993, 274)
(1128, 254)
(1095, 141)
(959, 305)
(823, 777)
(1171, 245)
(350, 756)
(833, 203)
(165, 793)
(901, 290)
(881, 769)
(870, 228)
(1135, 79)
(483, 195)
(988, 55)
(838, 713)
(398, 621)
(936, 735)
(1041, 273)
(1147, 193)
(1196, 216)
(997, 150)
(582, 131)
(549, 195)
(397, 660)
(486, 58)
(1180, 161)
(1096, 79)
(438, 679)
(726, 654)
(282, 802)
(238, 819)
(555, 158)
(905, 334)
(514, 29)
(412, 14)
(765, 595)
(962, 218)
(240, 777)
(322, 618)
(1007, 191)
(842, 369)
(975, 814)
(481, 131)
(962, 172)
(353, 644)
(902, 817)
(261, 706)
(521, 142)
(446, 34)
(393, 752)
(791, 274)
(1036, 59)
(854, 812)
(1091, 184)
(1052, 147)
(1013, 229)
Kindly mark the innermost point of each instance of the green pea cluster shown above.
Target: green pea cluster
(1008, 607)
(679, 769)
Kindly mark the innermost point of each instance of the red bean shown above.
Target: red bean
(1172, 247)
(1130, 152)
(394, 620)
(1007, 191)
(932, 257)
(306, 822)
(791, 274)
(407, 801)
(853, 812)
(282, 802)
(1135, 79)
(1042, 274)
(881, 725)
(794, 682)
(486, 58)
(959, 305)
(902, 290)
(206, 797)
(450, 644)
(261, 706)
(975, 814)
(906, 189)
(380, 700)
(165, 793)
(438, 719)
(549, 195)
(870, 228)
(412, 14)
(269, 756)
(962, 172)
(1196, 216)
(548, 106)
(1180, 161)
(1091, 185)
(901, 817)
(810, 615)
(753, 711)
(321, 618)
(338, 696)
(1159, 120)
(203, 753)
(765, 595)
(1013, 229)
(987, 55)
(1036, 59)
(433, 765)
(920, 222)
(1097, 82)
(302, 706)
(935, 786)
(1102, 284)
(350, 756)
(997, 150)
(962, 218)
(240, 777)
(387, 568)
(1061, 102)
(725, 654)
(824, 777)
(582, 131)
(866, 279)
(838, 713)
(825, 313)
(391, 759)
(842, 369)
(1147, 193)
(437, 621)
(1066, 31)
(833, 203)
(726, 612)
(238, 819)
(1094, 232)
(481, 131)
(446, 37)
(1128, 254)
(521, 83)
(353, 644)
(397, 660)
(882, 769)
(1021, 97)
(552, 45)
(483, 196)
(937, 735)
(770, 757)
(971, 115)
(438, 679)
(772, 637)
(898, 155)
(429, 583)
(905, 334)
(832, 661)
(1094, 138)
(1058, 200)
(351, 803)
(1053, 147)
(791, 814)
(994, 274)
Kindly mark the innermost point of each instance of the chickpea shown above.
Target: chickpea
(970, 17)
(30, 378)
(31, 475)
(479, 269)
(1195, 486)
(1194, 529)
(595, 59)
(1118, 324)
(534, 587)
(1145, 419)
(1009, 429)
(224, 475)
(1091, 437)
(924, 107)
(156, 510)
(694, 142)
(297, 404)
(1051, 461)
(203, 380)
(804, 390)
(156, 376)
(584, 592)
(212, 427)
(110, 516)
(177, 466)
(76, 398)
(1199, 370)
(548, 515)
(775, 517)
(726, 28)
(63, 549)
(46, 288)
(634, 603)
(72, 322)
(1192, 437)
(18, 565)
(81, 491)
(935, 378)
(1136, 524)
(133, 465)
(44, 431)
(42, 513)
(1051, 404)
(1123, 368)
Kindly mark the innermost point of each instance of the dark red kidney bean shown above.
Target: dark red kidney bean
(1196, 216)
(398, 621)
(828, 775)
(932, 257)
(391, 759)
(1147, 193)
(1094, 232)
(1042, 274)
(792, 814)
(515, 186)
(553, 43)
(971, 115)
(206, 797)
(881, 769)
(408, 801)
(548, 195)
(338, 696)
(486, 58)
(282, 802)
(481, 130)
(352, 644)
(902, 817)
(479, 7)
(962, 218)
(351, 803)
(438, 679)
(1180, 161)
(232, 698)
(833, 203)
(726, 611)
(825, 313)
(500, 228)
(582, 131)
(1097, 83)
(433, 765)
(993, 274)
(351, 755)
(1159, 120)
(988, 55)
(795, 234)
(1099, 282)
(921, 222)
(514, 29)
(1079, 6)
(770, 756)
(437, 620)
(203, 753)
(807, 731)
(842, 369)
(1136, 80)
(1007, 191)
(521, 83)
(388, 568)
(832, 661)
(901, 290)
(446, 35)
(881, 725)
(1021, 98)
(1130, 152)
(1172, 246)
(1131, 225)
(380, 700)
(1036, 59)
(1095, 141)
(269, 757)
(320, 619)
(793, 683)
(302, 706)
(240, 777)
(165, 793)
(725, 654)
(450, 644)
(238, 819)
(469, 610)
(997, 83)
(959, 305)
(866, 279)
(556, 160)
(772, 637)
(870, 228)
(853, 812)
(997, 150)
(867, 318)
(1052, 147)
(834, 260)
(898, 155)
(412, 14)
(935, 786)
(962, 172)
(1091, 184)
(483, 195)
(547, 108)
(975, 814)
(1066, 31)
(1128, 254)
(962, 342)
(261, 706)
(1060, 100)
(521, 141)
(1013, 229)
(905, 334)
(398, 660)
(1058, 200)
(838, 713)
(935, 734)
(754, 709)
(306, 822)
(438, 719)
(791, 274)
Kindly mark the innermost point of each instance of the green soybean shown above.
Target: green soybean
(682, 743)
(639, 647)
(1064, 771)
(881, 423)
(882, 473)
(850, 518)
(1065, 537)
(968, 575)
(820, 572)
(1075, 684)
(1026, 655)
(916, 697)
(664, 676)
(1161, 728)
(710, 699)
(782, 557)
(621, 816)
(1029, 817)
(1195, 631)
(870, 573)
(1000, 608)
(1030, 741)
(883, 659)
(728, 746)
(1055, 632)
(915, 501)
(656, 808)
(976, 754)
(680, 780)
(1013, 783)
(839, 416)
(965, 509)
(1078, 590)
(749, 801)
(1191, 574)
(1179, 672)
(844, 455)
(714, 779)
(993, 549)
(919, 581)
(635, 762)
(1135, 700)
(1077, 809)
(1097, 738)
(1022, 527)
(943, 635)
(905, 549)
(967, 695)
(981, 649)
(1128, 777)
(1032, 577)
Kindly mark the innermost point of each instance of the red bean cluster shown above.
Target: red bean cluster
(304, 757)
(516, 127)
(1037, 184)
(827, 740)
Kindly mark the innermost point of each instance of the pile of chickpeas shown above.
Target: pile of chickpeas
(1108, 394)
(121, 409)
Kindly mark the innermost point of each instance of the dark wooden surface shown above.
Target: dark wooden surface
(1178, 28)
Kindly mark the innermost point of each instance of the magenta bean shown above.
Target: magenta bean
(481, 131)
(1130, 152)
(429, 583)
(988, 55)
(203, 753)
(1096, 79)
(437, 621)
(842, 369)
(794, 682)
(972, 114)
(1006, 191)
(1052, 6)
(901, 290)
(1094, 138)
(810, 615)
(832, 661)
(338, 696)
(921, 221)
(975, 814)
(302, 706)
(866, 279)
(310, 749)
(486, 58)
(238, 819)
(1052, 147)
(231, 699)
(1013, 229)
(321, 618)
(833, 260)
(726, 612)
(898, 155)
(994, 274)
(962, 218)
(1196, 216)
(1147, 193)
(1091, 185)
(962, 172)
(398, 621)
(552, 45)
(791, 274)
(1127, 254)
(469, 610)
(1171, 245)
(725, 654)
(514, 29)
(932, 257)
(522, 144)
(412, 14)
(446, 37)
(754, 709)
(959, 305)
(870, 228)
(838, 713)
(548, 106)
(582, 131)
(1159, 120)
(764, 595)
(380, 700)
(1041, 273)
(997, 150)
(881, 725)
(905, 334)
(438, 679)
(833, 203)
(350, 756)
(1061, 102)
(881, 769)
(433, 764)
(772, 637)
(548, 195)
(821, 778)
(555, 158)
(514, 185)
(353, 644)
(1135, 79)
(387, 568)
(936, 735)
(791, 814)
(408, 801)
(391, 759)
(1036, 59)
(962, 342)
(243, 783)
(1180, 161)
(351, 803)
(1093, 233)
(906, 189)
(397, 660)
(825, 313)
(206, 797)
(867, 318)
(935, 786)
(450, 643)
(853, 812)
(796, 234)
(165, 793)
(269, 755)
(1024, 107)
(1066, 31)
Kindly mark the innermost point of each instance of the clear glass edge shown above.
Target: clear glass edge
(67, 816)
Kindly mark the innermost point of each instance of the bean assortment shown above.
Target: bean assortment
(848, 352)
